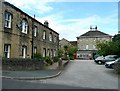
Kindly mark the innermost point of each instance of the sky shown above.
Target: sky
(72, 18)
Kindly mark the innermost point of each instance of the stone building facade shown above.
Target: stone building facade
(63, 42)
(86, 43)
(21, 35)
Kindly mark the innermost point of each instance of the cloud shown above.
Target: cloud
(69, 28)
(39, 6)
(72, 28)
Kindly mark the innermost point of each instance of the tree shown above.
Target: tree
(71, 51)
(109, 48)
(103, 48)
(116, 37)
(67, 50)
(60, 52)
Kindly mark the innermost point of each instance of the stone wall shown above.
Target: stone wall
(63, 43)
(22, 64)
(117, 67)
(17, 39)
(91, 42)
(1, 28)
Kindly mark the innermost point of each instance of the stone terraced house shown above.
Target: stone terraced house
(21, 35)
(86, 43)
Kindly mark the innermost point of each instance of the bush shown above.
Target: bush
(55, 59)
(38, 56)
(71, 57)
(48, 60)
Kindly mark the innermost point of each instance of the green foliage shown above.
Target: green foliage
(65, 47)
(116, 37)
(71, 51)
(55, 59)
(38, 56)
(108, 48)
(67, 52)
(48, 60)
(60, 52)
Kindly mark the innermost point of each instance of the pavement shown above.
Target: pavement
(48, 72)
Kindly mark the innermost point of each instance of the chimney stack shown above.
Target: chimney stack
(93, 29)
(46, 23)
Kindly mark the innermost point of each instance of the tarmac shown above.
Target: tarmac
(50, 72)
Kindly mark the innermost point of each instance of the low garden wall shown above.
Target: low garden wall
(117, 67)
(22, 64)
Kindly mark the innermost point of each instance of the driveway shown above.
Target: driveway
(85, 73)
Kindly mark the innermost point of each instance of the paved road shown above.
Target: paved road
(15, 84)
(77, 74)
(86, 74)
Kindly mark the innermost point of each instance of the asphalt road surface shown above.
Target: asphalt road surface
(77, 75)
(87, 74)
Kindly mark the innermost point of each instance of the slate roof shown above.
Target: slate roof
(74, 43)
(95, 33)
(17, 9)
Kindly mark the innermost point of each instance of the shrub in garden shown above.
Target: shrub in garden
(38, 56)
(55, 59)
(48, 60)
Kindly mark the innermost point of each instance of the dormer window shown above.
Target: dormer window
(24, 26)
(8, 20)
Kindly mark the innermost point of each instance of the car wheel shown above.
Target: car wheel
(99, 62)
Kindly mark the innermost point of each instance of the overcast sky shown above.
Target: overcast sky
(73, 18)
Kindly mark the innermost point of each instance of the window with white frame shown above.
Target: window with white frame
(50, 37)
(44, 52)
(24, 26)
(35, 50)
(54, 52)
(8, 20)
(44, 34)
(94, 47)
(51, 53)
(24, 51)
(35, 31)
(7, 51)
(48, 52)
(87, 47)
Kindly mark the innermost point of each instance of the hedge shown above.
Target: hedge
(22, 64)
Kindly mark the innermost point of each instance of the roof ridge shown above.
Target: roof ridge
(95, 33)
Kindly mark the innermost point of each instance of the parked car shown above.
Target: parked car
(102, 60)
(95, 56)
(99, 59)
(110, 64)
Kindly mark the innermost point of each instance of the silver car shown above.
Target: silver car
(111, 63)
(99, 59)
(102, 60)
